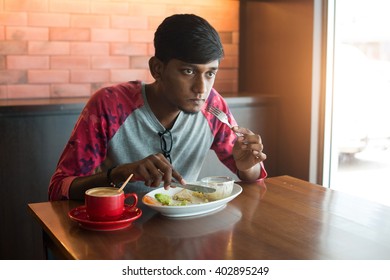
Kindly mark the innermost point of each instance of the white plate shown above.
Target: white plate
(191, 209)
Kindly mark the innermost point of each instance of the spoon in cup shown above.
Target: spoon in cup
(125, 183)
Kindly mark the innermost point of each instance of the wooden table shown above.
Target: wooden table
(279, 218)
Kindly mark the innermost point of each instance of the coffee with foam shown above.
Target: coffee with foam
(103, 192)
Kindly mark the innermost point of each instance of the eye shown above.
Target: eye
(188, 71)
(211, 74)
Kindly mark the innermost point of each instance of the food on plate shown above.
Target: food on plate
(165, 199)
(189, 196)
(181, 198)
(151, 200)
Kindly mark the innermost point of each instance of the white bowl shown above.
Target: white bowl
(222, 184)
(190, 210)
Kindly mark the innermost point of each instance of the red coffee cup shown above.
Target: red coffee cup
(106, 203)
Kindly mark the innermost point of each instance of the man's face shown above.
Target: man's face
(187, 85)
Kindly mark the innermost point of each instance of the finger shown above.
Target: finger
(149, 170)
(178, 177)
(248, 139)
(261, 157)
(143, 172)
(257, 151)
(165, 169)
(155, 176)
(245, 146)
(242, 130)
(253, 138)
(166, 177)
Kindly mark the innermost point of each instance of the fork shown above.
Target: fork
(221, 116)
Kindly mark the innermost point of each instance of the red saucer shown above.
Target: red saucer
(79, 215)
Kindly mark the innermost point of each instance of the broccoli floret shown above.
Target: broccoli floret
(163, 198)
(183, 203)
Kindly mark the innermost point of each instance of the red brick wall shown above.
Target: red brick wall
(69, 48)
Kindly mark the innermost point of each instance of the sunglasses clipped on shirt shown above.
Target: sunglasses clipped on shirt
(166, 143)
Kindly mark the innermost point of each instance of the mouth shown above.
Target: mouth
(193, 105)
(197, 100)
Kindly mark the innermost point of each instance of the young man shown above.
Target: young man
(159, 131)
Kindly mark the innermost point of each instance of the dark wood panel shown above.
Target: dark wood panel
(276, 58)
(30, 148)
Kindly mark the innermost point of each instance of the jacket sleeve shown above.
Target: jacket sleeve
(87, 147)
(224, 137)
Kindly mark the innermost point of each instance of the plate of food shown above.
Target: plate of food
(178, 202)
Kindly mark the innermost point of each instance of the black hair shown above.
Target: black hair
(189, 38)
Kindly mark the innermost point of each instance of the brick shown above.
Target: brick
(48, 76)
(70, 62)
(49, 48)
(109, 8)
(26, 5)
(2, 32)
(154, 22)
(229, 62)
(224, 25)
(91, 21)
(72, 22)
(230, 49)
(89, 76)
(68, 6)
(13, 47)
(28, 91)
(140, 62)
(45, 19)
(128, 49)
(227, 74)
(13, 19)
(109, 35)
(97, 86)
(70, 90)
(133, 22)
(27, 33)
(69, 34)
(151, 49)
(141, 36)
(13, 77)
(89, 48)
(129, 75)
(226, 37)
(185, 9)
(3, 92)
(233, 8)
(148, 10)
(2, 62)
(110, 62)
(236, 37)
(149, 78)
(27, 62)
(219, 10)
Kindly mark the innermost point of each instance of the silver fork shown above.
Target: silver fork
(221, 116)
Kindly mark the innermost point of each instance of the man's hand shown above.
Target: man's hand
(153, 170)
(248, 149)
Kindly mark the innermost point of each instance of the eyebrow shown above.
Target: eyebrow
(197, 67)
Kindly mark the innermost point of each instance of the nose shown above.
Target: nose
(199, 86)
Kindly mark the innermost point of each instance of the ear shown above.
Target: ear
(155, 67)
